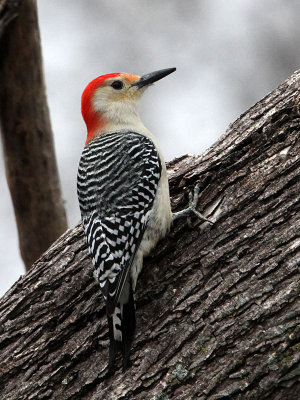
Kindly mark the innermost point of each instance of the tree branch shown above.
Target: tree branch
(26, 133)
(217, 306)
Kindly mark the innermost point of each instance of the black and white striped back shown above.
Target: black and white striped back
(117, 181)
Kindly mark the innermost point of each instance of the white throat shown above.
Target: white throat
(120, 114)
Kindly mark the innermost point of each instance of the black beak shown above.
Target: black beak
(153, 77)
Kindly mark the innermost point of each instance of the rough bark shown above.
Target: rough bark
(217, 306)
(26, 132)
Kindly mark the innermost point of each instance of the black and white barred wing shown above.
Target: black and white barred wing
(117, 182)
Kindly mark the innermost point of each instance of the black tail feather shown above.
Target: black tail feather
(127, 329)
(114, 345)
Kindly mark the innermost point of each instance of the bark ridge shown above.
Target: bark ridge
(217, 306)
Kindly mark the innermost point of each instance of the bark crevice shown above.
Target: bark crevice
(217, 306)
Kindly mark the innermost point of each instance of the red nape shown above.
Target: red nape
(93, 121)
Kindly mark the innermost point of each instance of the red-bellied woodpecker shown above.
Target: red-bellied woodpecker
(123, 195)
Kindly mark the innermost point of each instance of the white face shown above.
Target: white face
(117, 100)
(117, 90)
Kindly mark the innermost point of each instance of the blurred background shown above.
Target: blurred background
(228, 53)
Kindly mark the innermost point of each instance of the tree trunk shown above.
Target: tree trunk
(217, 306)
(26, 133)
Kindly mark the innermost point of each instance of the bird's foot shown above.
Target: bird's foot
(191, 210)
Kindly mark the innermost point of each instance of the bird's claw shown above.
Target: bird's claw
(193, 201)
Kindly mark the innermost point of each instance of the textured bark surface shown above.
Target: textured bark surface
(217, 306)
(26, 132)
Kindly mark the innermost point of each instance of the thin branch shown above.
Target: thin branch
(26, 134)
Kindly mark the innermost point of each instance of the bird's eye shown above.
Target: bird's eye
(118, 85)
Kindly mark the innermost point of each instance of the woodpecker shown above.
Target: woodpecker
(123, 195)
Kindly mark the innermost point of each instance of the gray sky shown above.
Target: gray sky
(228, 55)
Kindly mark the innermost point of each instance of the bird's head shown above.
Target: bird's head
(110, 101)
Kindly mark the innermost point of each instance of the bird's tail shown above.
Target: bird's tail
(121, 329)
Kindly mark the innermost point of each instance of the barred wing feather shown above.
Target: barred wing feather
(117, 181)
